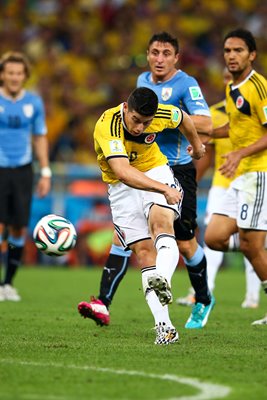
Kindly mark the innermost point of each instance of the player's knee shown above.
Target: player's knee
(214, 242)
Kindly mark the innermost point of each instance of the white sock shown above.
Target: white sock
(253, 283)
(167, 255)
(159, 312)
(234, 242)
(214, 260)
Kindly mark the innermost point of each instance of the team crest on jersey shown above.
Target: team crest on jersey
(239, 102)
(195, 93)
(166, 93)
(115, 146)
(28, 110)
(150, 138)
(265, 112)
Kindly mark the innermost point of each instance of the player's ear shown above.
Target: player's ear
(125, 107)
(252, 56)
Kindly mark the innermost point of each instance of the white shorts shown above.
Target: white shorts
(130, 207)
(246, 201)
(215, 195)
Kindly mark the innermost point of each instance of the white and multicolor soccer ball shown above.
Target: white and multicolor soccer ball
(54, 235)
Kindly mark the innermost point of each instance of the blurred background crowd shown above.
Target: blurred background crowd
(86, 54)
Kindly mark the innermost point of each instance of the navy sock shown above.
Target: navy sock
(113, 273)
(14, 256)
(197, 270)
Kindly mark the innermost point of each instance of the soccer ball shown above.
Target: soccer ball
(54, 235)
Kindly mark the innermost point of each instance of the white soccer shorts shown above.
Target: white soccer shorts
(215, 195)
(130, 207)
(246, 201)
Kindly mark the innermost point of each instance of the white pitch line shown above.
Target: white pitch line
(207, 391)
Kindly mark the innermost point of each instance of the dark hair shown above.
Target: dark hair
(165, 37)
(244, 35)
(144, 101)
(15, 57)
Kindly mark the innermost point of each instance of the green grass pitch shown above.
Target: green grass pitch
(49, 352)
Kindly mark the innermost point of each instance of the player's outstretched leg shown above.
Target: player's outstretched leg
(95, 310)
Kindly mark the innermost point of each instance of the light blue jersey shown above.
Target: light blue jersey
(183, 91)
(19, 119)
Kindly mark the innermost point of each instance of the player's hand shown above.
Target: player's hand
(43, 186)
(173, 195)
(196, 153)
(229, 167)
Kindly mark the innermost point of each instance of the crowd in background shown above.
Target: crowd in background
(86, 54)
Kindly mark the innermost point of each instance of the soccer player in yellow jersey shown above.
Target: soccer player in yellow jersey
(130, 159)
(215, 149)
(243, 208)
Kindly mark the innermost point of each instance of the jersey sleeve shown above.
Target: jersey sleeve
(39, 123)
(261, 108)
(193, 99)
(108, 140)
(167, 117)
(142, 79)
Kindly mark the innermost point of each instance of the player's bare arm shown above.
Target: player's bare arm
(196, 148)
(233, 158)
(221, 132)
(203, 124)
(134, 178)
(40, 145)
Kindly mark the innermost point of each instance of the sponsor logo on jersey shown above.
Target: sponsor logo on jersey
(150, 138)
(265, 111)
(166, 93)
(28, 110)
(175, 115)
(116, 146)
(239, 102)
(200, 104)
(195, 93)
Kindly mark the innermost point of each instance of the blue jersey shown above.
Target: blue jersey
(19, 119)
(183, 91)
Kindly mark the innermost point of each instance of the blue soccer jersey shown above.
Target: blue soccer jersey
(19, 119)
(181, 90)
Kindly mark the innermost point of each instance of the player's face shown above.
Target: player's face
(13, 77)
(238, 58)
(136, 123)
(162, 60)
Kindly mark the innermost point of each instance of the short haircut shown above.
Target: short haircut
(144, 101)
(16, 57)
(165, 37)
(244, 35)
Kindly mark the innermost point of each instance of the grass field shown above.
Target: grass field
(48, 352)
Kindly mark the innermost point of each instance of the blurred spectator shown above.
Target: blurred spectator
(87, 53)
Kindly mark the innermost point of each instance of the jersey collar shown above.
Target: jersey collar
(233, 87)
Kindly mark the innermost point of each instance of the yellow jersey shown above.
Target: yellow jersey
(246, 107)
(111, 139)
(221, 146)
